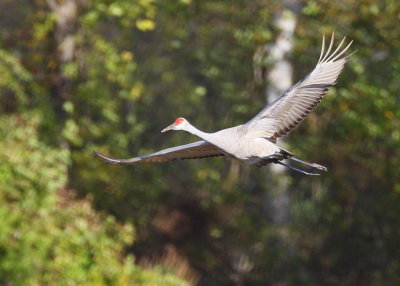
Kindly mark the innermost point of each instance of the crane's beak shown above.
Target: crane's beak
(168, 128)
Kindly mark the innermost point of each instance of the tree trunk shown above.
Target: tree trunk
(65, 14)
(279, 78)
(61, 89)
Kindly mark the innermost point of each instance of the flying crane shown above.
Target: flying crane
(254, 142)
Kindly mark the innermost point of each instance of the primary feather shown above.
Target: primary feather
(290, 108)
(196, 150)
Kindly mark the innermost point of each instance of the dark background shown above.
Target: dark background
(80, 75)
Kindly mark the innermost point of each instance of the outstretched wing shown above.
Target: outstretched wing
(196, 150)
(290, 108)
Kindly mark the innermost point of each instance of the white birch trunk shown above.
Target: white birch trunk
(279, 78)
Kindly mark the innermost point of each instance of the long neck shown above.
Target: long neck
(203, 135)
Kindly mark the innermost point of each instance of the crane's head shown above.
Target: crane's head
(179, 124)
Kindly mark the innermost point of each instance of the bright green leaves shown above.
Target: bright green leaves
(13, 80)
(46, 236)
(126, 13)
(145, 25)
(311, 8)
(35, 165)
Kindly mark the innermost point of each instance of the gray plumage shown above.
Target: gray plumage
(254, 141)
(196, 150)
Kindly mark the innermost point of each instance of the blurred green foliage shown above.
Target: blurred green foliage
(69, 219)
(47, 237)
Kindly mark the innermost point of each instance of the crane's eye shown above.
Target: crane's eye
(179, 120)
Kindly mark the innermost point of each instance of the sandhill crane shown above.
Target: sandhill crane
(255, 141)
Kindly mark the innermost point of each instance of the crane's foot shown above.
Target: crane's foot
(319, 167)
(312, 165)
(306, 172)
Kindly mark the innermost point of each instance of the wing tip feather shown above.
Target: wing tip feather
(106, 159)
(332, 57)
(324, 75)
(352, 53)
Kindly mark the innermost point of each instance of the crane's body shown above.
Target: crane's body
(237, 143)
(255, 141)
